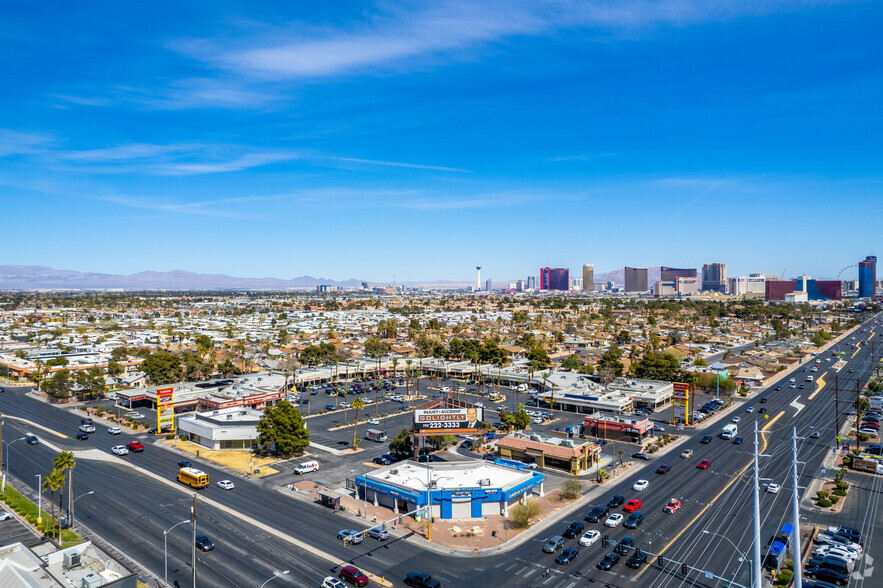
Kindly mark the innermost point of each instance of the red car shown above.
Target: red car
(703, 465)
(632, 505)
(135, 446)
(353, 575)
(673, 505)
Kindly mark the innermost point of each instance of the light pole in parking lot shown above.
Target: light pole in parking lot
(165, 548)
(742, 556)
(276, 574)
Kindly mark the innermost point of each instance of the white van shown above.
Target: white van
(307, 467)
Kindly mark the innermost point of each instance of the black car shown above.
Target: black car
(32, 440)
(82, 436)
(763, 400)
(204, 543)
(637, 558)
(635, 519)
(663, 469)
(575, 528)
(610, 560)
(625, 545)
(827, 575)
(381, 461)
(761, 411)
(617, 501)
(640, 455)
(597, 513)
(738, 440)
(425, 458)
(779, 387)
(329, 407)
(706, 439)
(566, 556)
(184, 464)
(421, 580)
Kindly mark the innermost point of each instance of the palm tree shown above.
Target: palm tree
(65, 462)
(53, 482)
(358, 404)
(395, 363)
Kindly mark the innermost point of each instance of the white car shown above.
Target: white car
(332, 582)
(225, 484)
(114, 430)
(792, 380)
(640, 485)
(613, 520)
(736, 419)
(590, 537)
(397, 398)
(87, 429)
(135, 415)
(120, 450)
(749, 409)
(837, 551)
(5, 516)
(373, 421)
(773, 488)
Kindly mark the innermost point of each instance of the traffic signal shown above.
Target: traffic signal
(400, 519)
(383, 526)
(346, 541)
(605, 541)
(660, 560)
(683, 568)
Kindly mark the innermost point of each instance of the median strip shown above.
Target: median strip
(819, 385)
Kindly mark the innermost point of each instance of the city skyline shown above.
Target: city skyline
(369, 140)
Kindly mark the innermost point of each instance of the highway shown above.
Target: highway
(130, 509)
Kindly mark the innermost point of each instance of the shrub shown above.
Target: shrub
(523, 512)
(784, 577)
(823, 502)
(839, 492)
(571, 489)
(822, 494)
(833, 499)
(847, 460)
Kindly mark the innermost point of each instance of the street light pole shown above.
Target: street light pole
(742, 556)
(39, 497)
(73, 506)
(7, 453)
(276, 574)
(165, 548)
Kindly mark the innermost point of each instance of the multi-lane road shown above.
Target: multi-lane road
(131, 507)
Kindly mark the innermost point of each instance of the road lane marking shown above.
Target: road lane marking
(797, 405)
(819, 385)
(33, 424)
(719, 494)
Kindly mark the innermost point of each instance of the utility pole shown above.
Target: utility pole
(1, 442)
(836, 410)
(193, 542)
(757, 579)
(795, 509)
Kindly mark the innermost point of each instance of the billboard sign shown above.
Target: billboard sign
(165, 410)
(681, 403)
(447, 420)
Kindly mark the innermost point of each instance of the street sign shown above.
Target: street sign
(709, 575)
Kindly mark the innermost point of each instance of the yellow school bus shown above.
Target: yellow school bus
(193, 477)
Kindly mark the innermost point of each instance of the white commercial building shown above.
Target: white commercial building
(227, 428)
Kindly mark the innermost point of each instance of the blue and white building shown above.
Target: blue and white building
(453, 490)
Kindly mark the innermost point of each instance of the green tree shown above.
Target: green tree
(114, 368)
(538, 358)
(358, 404)
(65, 462)
(699, 362)
(610, 360)
(53, 482)
(571, 489)
(402, 447)
(90, 382)
(227, 369)
(281, 430)
(571, 363)
(59, 385)
(162, 367)
(518, 419)
(524, 512)
(875, 386)
(204, 344)
(586, 369)
(658, 366)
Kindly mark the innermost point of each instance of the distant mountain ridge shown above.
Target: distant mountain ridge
(36, 277)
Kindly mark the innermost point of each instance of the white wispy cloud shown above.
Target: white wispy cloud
(14, 142)
(581, 157)
(396, 164)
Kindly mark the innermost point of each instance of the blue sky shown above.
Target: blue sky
(372, 140)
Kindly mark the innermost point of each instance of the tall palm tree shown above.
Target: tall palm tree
(53, 482)
(358, 404)
(395, 363)
(65, 462)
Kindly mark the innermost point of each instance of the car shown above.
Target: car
(352, 535)
(637, 558)
(566, 556)
(617, 501)
(738, 440)
(137, 416)
(635, 519)
(844, 553)
(673, 505)
(589, 537)
(736, 419)
(827, 575)
(749, 409)
(575, 528)
(353, 575)
(625, 545)
(779, 387)
(686, 453)
(773, 488)
(32, 440)
(87, 429)
(225, 485)
(640, 485)
(373, 421)
(378, 533)
(792, 380)
(659, 428)
(184, 463)
(553, 544)
(706, 439)
(5, 516)
(763, 400)
(869, 431)
(135, 446)
(640, 455)
(597, 513)
(816, 434)
(613, 520)
(204, 543)
(792, 386)
(381, 461)
(608, 561)
(425, 457)
(119, 450)
(632, 505)
(82, 436)
(416, 580)
(663, 469)
(762, 411)
(114, 430)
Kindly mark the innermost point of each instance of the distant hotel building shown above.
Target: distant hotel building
(531, 283)
(670, 274)
(554, 278)
(812, 289)
(867, 277)
(635, 279)
(488, 285)
(714, 277)
(588, 278)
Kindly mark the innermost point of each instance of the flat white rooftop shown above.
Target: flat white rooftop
(415, 476)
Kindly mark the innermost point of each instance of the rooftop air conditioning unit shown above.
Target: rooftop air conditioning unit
(229, 417)
(91, 580)
(536, 438)
(394, 472)
(71, 559)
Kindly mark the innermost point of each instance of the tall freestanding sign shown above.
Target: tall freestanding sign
(165, 410)
(681, 404)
